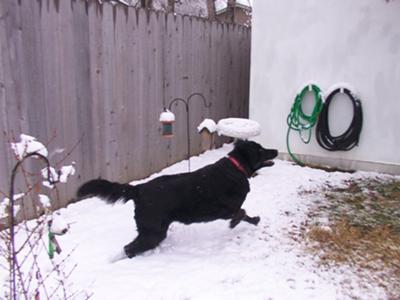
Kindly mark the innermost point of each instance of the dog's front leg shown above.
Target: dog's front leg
(242, 216)
(237, 218)
(252, 220)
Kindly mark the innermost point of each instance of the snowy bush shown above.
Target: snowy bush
(29, 268)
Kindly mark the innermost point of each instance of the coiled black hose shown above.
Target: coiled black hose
(347, 140)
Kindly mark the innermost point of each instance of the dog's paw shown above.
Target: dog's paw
(129, 251)
(255, 220)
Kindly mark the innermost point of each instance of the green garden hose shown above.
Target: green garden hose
(299, 121)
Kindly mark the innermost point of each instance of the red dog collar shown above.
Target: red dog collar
(237, 164)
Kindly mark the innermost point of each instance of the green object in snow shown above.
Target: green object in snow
(51, 249)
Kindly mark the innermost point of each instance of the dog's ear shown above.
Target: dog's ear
(248, 150)
(244, 145)
(247, 146)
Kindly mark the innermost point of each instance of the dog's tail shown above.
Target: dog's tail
(110, 192)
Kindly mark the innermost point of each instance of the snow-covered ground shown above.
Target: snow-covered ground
(210, 261)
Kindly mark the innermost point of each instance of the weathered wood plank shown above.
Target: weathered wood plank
(5, 81)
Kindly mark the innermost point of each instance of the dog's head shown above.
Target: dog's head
(253, 155)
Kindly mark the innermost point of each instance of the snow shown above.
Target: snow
(4, 204)
(245, 3)
(192, 8)
(45, 200)
(53, 173)
(238, 128)
(167, 116)
(340, 85)
(221, 5)
(57, 176)
(28, 145)
(208, 124)
(209, 260)
(3, 210)
(65, 172)
(160, 4)
(58, 225)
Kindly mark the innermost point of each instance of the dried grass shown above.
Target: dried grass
(364, 230)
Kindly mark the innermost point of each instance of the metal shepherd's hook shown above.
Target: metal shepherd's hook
(187, 106)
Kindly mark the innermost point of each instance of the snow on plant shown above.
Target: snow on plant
(52, 176)
(28, 145)
(28, 248)
(45, 201)
(4, 204)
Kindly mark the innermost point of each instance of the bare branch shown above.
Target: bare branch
(27, 276)
(71, 150)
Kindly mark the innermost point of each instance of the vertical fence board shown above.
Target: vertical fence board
(106, 89)
(5, 81)
(82, 116)
(96, 71)
(133, 133)
(119, 82)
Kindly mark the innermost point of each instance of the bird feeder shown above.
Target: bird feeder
(167, 118)
(207, 129)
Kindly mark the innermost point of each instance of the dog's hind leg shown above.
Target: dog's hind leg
(144, 242)
(241, 215)
(150, 235)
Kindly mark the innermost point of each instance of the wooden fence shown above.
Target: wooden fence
(99, 75)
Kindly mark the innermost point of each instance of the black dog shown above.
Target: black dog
(216, 191)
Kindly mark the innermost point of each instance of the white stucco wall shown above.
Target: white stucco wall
(330, 41)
